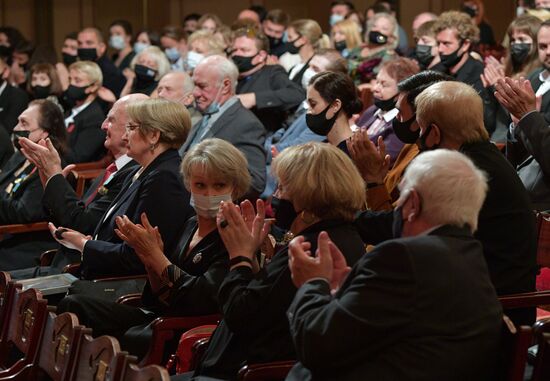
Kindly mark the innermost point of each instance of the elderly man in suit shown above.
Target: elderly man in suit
(409, 309)
(225, 117)
(60, 200)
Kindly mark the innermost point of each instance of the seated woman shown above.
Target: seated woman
(44, 82)
(345, 37)
(202, 43)
(254, 301)
(185, 281)
(377, 119)
(20, 187)
(156, 128)
(333, 100)
(145, 71)
(85, 114)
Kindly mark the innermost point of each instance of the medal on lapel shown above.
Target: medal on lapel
(197, 258)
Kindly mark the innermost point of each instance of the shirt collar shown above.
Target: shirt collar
(387, 115)
(544, 76)
(78, 109)
(122, 161)
(3, 87)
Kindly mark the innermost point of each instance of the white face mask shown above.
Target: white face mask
(306, 77)
(207, 206)
(193, 59)
(140, 47)
(117, 42)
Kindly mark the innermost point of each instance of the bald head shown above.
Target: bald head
(114, 124)
(421, 19)
(250, 15)
(215, 79)
(176, 86)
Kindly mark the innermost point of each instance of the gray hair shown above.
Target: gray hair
(451, 187)
(224, 67)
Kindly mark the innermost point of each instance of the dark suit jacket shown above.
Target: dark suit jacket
(545, 103)
(112, 76)
(276, 95)
(22, 206)
(87, 138)
(159, 193)
(13, 101)
(240, 127)
(68, 210)
(418, 308)
(534, 132)
(6, 147)
(254, 327)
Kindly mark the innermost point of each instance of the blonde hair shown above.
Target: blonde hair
(91, 70)
(309, 29)
(213, 43)
(169, 118)
(455, 108)
(464, 25)
(159, 56)
(321, 179)
(220, 159)
(350, 29)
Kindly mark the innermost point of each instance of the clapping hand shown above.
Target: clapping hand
(372, 161)
(517, 96)
(45, 157)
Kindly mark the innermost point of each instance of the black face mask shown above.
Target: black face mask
(450, 60)
(274, 42)
(5, 51)
(422, 146)
(377, 38)
(15, 138)
(244, 64)
(385, 105)
(397, 224)
(68, 59)
(285, 214)
(319, 124)
(144, 76)
(403, 130)
(291, 48)
(472, 12)
(74, 94)
(87, 54)
(40, 92)
(519, 52)
(424, 55)
(340, 45)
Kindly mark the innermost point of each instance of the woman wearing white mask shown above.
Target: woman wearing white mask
(184, 282)
(121, 41)
(145, 71)
(202, 43)
(144, 39)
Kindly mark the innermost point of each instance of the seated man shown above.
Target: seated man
(84, 119)
(420, 307)
(178, 86)
(264, 89)
(450, 115)
(60, 200)
(224, 116)
(13, 100)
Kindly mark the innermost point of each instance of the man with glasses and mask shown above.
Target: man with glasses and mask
(264, 89)
(225, 117)
(178, 86)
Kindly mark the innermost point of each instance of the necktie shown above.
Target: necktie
(108, 172)
(201, 130)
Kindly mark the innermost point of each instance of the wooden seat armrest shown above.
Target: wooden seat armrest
(73, 269)
(277, 370)
(525, 300)
(23, 228)
(46, 257)
(133, 300)
(125, 277)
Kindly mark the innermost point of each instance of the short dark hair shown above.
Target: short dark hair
(332, 85)
(192, 17)
(262, 43)
(174, 32)
(124, 24)
(417, 83)
(52, 121)
(260, 10)
(153, 35)
(13, 34)
(71, 36)
(349, 4)
(279, 17)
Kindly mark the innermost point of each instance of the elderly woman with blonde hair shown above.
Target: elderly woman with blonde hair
(145, 71)
(319, 190)
(185, 280)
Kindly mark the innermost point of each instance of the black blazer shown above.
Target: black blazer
(418, 308)
(86, 138)
(159, 192)
(112, 76)
(240, 127)
(13, 101)
(68, 210)
(20, 251)
(545, 103)
(254, 327)
(205, 267)
(6, 147)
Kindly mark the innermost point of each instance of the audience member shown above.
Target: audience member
(339, 10)
(209, 22)
(190, 23)
(145, 71)
(225, 117)
(250, 15)
(304, 37)
(44, 82)
(540, 78)
(121, 41)
(403, 332)
(174, 45)
(178, 87)
(422, 18)
(264, 89)
(92, 48)
(346, 37)
(274, 27)
(253, 300)
(426, 51)
(84, 114)
(144, 39)
(185, 281)
(6, 147)
(378, 119)
(13, 100)
(402, 42)
(21, 191)
(201, 44)
(476, 10)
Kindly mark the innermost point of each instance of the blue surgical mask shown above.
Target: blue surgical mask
(334, 18)
(140, 47)
(193, 59)
(173, 54)
(117, 42)
(214, 106)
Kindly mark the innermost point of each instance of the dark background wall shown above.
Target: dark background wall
(48, 21)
